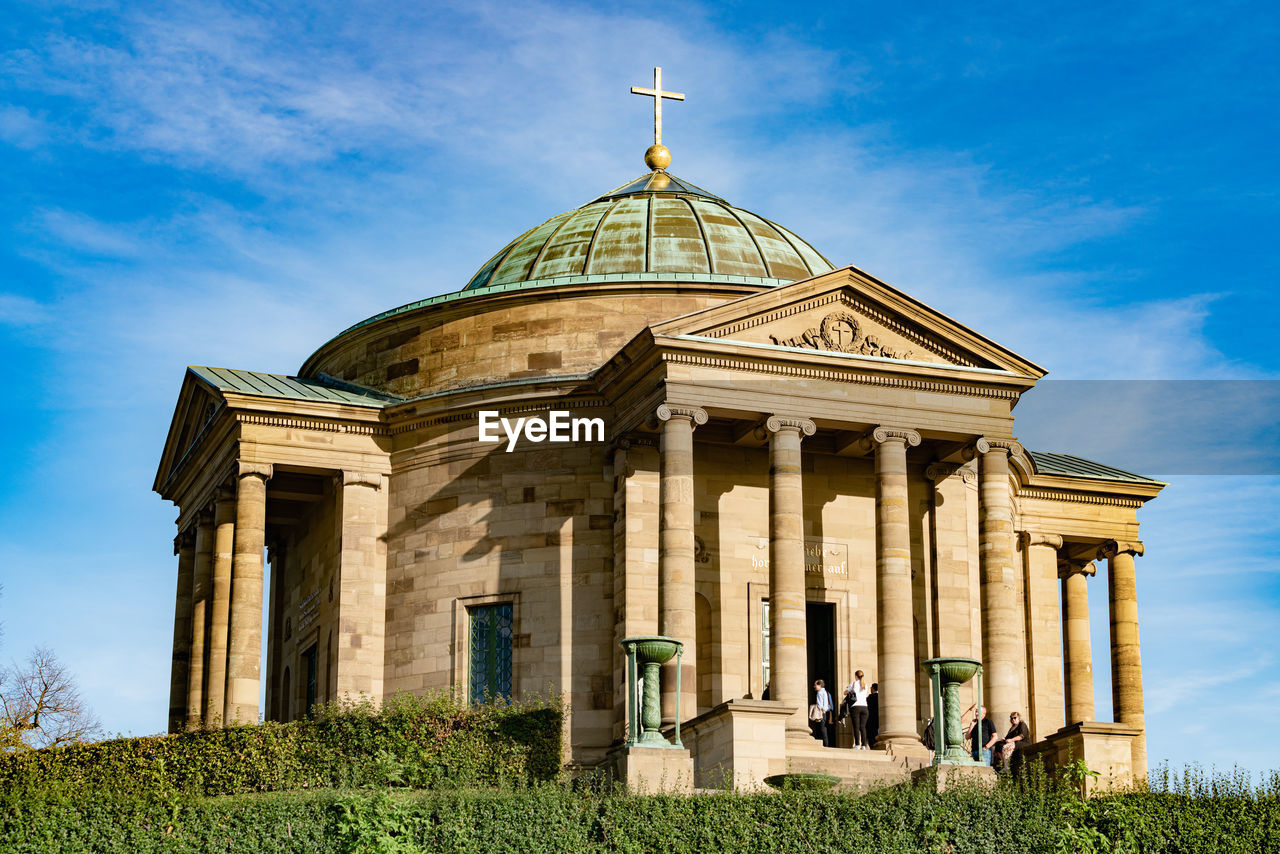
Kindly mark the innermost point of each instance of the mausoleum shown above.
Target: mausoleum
(792, 467)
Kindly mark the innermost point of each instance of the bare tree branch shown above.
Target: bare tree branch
(40, 705)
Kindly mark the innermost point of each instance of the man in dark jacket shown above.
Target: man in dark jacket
(981, 733)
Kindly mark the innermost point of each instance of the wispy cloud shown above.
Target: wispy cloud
(18, 310)
(19, 127)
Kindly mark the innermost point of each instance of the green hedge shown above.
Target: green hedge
(411, 741)
(549, 818)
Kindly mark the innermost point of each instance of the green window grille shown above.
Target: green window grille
(490, 670)
(764, 643)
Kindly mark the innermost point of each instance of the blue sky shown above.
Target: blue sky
(232, 184)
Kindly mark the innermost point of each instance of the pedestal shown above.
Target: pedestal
(650, 770)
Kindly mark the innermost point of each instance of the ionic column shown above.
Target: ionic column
(362, 597)
(894, 612)
(184, 546)
(1126, 658)
(1075, 596)
(677, 612)
(1044, 633)
(1001, 629)
(201, 592)
(224, 536)
(788, 635)
(244, 639)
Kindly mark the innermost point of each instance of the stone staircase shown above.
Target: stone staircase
(859, 770)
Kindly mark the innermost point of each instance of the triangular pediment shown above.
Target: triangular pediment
(197, 405)
(848, 311)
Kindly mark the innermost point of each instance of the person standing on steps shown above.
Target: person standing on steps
(822, 723)
(856, 697)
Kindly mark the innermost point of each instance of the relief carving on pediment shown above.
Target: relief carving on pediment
(843, 332)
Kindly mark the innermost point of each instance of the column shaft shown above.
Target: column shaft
(1126, 658)
(1000, 624)
(952, 594)
(244, 638)
(1075, 594)
(636, 506)
(224, 526)
(362, 598)
(180, 671)
(1047, 710)
(677, 612)
(788, 630)
(895, 624)
(201, 592)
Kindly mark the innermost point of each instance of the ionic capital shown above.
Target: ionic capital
(1027, 539)
(1111, 548)
(986, 445)
(186, 539)
(360, 478)
(778, 423)
(695, 414)
(941, 471)
(1071, 566)
(262, 470)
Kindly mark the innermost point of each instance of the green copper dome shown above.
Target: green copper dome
(655, 227)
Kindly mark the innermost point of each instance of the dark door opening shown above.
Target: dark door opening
(820, 625)
(310, 660)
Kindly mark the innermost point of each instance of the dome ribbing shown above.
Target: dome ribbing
(656, 224)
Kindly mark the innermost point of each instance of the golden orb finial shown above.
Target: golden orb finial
(657, 157)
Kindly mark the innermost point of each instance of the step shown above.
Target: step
(858, 770)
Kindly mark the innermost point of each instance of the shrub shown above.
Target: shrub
(548, 817)
(428, 742)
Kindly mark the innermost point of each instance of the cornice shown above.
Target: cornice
(837, 375)
(323, 425)
(1079, 497)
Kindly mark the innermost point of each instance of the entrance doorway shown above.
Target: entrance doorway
(820, 620)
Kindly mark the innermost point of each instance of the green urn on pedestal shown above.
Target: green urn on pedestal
(947, 675)
(645, 657)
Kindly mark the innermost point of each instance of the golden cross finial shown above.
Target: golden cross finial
(657, 157)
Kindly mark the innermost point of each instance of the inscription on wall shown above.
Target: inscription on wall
(307, 610)
(840, 332)
(820, 557)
